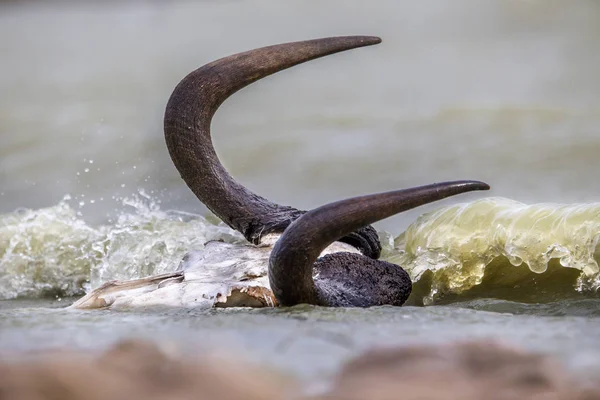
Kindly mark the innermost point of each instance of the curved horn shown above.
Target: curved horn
(187, 129)
(291, 261)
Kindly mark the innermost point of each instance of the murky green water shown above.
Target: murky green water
(502, 91)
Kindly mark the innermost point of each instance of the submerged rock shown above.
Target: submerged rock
(459, 371)
(136, 369)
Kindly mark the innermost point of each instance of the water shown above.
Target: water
(311, 342)
(502, 91)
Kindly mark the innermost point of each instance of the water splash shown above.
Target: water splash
(45, 251)
(147, 241)
(52, 251)
(487, 248)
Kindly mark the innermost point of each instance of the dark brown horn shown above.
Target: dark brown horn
(187, 129)
(291, 261)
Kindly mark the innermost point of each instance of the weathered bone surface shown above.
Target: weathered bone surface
(219, 275)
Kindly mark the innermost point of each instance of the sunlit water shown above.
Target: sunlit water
(502, 91)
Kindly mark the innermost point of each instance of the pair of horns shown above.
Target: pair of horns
(187, 132)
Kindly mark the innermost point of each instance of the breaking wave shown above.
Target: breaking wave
(501, 248)
(490, 248)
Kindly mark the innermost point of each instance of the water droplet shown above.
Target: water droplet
(122, 185)
(86, 170)
(92, 201)
(91, 161)
(81, 203)
(134, 167)
(77, 173)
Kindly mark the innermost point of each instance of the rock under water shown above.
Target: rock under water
(142, 370)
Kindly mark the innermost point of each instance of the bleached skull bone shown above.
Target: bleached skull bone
(278, 270)
(219, 275)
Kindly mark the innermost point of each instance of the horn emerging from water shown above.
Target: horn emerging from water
(187, 132)
(291, 261)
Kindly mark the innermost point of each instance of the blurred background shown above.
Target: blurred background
(504, 91)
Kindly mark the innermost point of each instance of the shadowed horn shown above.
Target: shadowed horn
(291, 261)
(187, 130)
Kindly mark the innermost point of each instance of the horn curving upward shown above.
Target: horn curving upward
(187, 133)
(295, 253)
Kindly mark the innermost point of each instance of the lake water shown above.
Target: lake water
(507, 92)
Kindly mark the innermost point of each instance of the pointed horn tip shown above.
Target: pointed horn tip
(372, 39)
(366, 40)
(475, 185)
